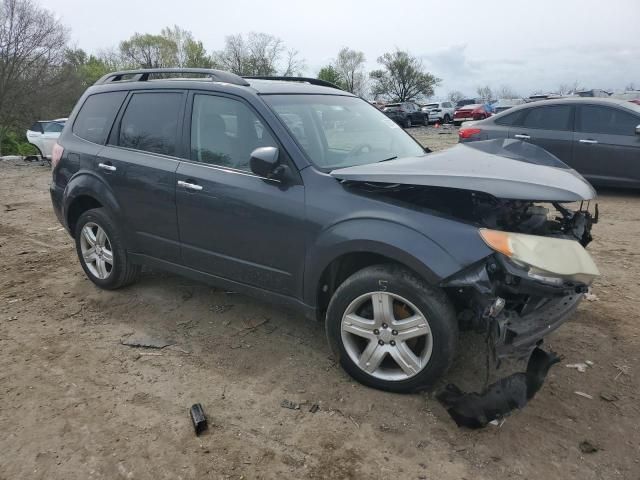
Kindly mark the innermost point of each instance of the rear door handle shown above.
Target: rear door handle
(189, 186)
(105, 166)
(522, 136)
(587, 140)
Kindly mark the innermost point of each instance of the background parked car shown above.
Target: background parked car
(476, 111)
(630, 95)
(44, 133)
(506, 103)
(406, 114)
(599, 137)
(439, 112)
(466, 101)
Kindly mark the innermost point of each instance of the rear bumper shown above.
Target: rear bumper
(56, 201)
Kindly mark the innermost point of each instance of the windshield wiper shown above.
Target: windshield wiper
(387, 159)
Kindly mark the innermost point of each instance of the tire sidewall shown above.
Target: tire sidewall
(100, 217)
(433, 304)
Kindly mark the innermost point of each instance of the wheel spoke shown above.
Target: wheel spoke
(359, 326)
(405, 358)
(101, 268)
(88, 235)
(414, 326)
(89, 255)
(382, 308)
(372, 357)
(101, 236)
(107, 256)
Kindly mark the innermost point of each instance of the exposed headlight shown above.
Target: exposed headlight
(548, 259)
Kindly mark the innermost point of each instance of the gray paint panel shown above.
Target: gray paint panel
(504, 168)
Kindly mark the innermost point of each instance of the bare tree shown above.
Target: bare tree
(485, 93)
(189, 51)
(293, 64)
(32, 46)
(567, 88)
(630, 87)
(350, 66)
(505, 91)
(260, 54)
(402, 78)
(455, 96)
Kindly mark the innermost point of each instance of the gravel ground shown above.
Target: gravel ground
(75, 403)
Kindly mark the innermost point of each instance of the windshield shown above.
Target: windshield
(339, 131)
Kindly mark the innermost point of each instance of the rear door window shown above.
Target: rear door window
(96, 116)
(150, 122)
(550, 117)
(605, 120)
(54, 127)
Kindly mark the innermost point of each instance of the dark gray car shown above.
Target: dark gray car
(305, 195)
(599, 137)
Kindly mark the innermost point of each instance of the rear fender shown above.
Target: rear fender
(87, 183)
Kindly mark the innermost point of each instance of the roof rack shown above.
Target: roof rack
(142, 75)
(312, 81)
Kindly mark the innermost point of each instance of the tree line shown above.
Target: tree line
(42, 75)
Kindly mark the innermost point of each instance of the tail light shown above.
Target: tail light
(56, 155)
(468, 132)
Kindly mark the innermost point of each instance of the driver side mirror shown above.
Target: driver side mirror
(264, 163)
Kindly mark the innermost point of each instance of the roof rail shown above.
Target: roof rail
(142, 75)
(312, 81)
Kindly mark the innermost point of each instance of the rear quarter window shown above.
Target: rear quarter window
(96, 116)
(549, 117)
(510, 119)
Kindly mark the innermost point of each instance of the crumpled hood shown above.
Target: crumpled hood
(504, 168)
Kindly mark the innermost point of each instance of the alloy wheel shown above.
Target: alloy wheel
(386, 336)
(96, 249)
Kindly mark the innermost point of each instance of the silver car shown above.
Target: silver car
(598, 137)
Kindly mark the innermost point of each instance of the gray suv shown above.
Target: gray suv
(299, 193)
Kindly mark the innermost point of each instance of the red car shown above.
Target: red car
(477, 111)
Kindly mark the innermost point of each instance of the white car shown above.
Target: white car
(441, 112)
(44, 133)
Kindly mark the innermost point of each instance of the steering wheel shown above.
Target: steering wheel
(360, 149)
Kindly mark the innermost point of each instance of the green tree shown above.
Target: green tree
(149, 51)
(331, 75)
(32, 45)
(350, 66)
(189, 51)
(402, 78)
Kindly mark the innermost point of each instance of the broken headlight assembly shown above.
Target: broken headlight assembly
(548, 260)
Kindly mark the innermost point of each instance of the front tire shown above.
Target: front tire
(391, 330)
(407, 123)
(447, 118)
(101, 250)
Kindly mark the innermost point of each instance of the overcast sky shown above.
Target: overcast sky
(528, 45)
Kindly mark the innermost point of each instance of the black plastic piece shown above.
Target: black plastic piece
(198, 418)
(312, 81)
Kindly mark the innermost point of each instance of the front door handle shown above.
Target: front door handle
(106, 166)
(189, 186)
(587, 140)
(522, 136)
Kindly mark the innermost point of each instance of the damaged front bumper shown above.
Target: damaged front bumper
(516, 310)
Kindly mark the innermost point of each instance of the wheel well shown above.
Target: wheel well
(80, 205)
(339, 270)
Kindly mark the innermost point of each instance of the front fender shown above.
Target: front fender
(383, 237)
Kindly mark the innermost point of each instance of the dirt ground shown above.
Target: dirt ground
(75, 403)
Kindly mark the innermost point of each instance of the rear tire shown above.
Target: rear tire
(407, 123)
(446, 118)
(406, 343)
(101, 250)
